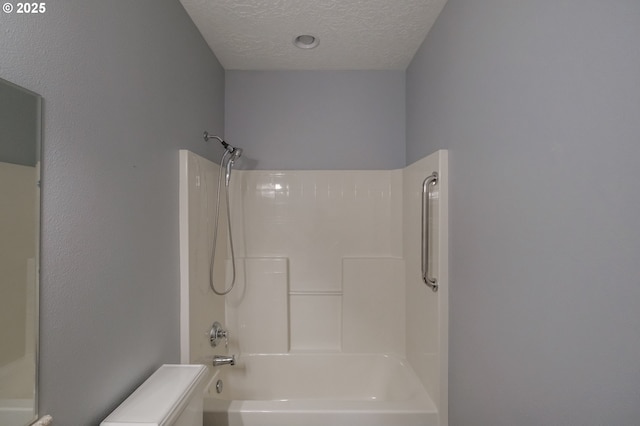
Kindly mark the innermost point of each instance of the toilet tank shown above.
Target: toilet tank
(172, 396)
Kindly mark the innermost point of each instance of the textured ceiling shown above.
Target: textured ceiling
(353, 34)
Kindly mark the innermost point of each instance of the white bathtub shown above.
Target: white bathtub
(319, 390)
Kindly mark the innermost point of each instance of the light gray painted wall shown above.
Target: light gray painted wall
(317, 119)
(538, 103)
(125, 85)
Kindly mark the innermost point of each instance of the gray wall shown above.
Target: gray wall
(125, 85)
(317, 119)
(538, 103)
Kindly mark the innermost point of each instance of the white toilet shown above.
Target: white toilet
(172, 396)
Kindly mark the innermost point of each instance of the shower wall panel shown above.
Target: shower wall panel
(427, 312)
(317, 219)
(257, 310)
(199, 306)
(373, 305)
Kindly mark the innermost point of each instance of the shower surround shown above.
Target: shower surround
(328, 264)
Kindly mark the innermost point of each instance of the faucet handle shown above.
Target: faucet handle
(217, 333)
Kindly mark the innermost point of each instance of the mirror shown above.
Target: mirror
(20, 134)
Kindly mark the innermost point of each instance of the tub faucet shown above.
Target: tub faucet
(224, 360)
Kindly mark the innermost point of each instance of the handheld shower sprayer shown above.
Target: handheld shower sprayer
(234, 155)
(230, 155)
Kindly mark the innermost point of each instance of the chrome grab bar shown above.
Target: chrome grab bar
(430, 181)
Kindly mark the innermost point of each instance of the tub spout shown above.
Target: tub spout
(224, 360)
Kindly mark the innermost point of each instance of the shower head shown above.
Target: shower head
(231, 155)
(235, 153)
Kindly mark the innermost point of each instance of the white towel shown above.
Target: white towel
(44, 421)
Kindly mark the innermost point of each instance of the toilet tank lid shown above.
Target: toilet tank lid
(160, 398)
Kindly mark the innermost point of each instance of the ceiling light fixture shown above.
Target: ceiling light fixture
(306, 41)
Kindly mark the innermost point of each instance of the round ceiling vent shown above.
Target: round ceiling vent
(306, 41)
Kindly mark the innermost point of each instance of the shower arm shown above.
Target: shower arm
(206, 136)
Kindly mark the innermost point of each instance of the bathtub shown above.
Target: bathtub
(318, 390)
